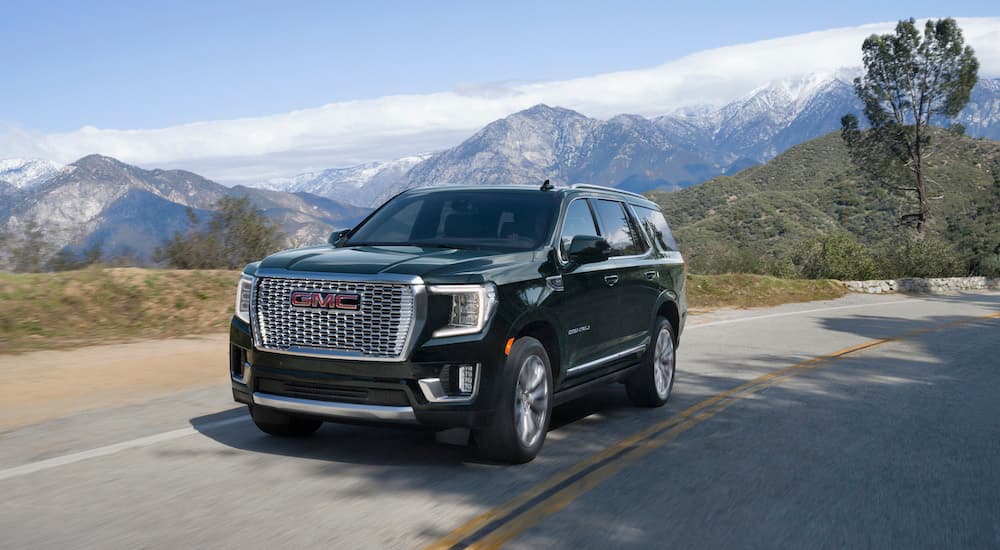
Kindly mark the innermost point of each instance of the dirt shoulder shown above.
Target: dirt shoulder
(44, 385)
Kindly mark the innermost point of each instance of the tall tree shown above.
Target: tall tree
(910, 80)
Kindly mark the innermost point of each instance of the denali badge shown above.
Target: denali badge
(325, 300)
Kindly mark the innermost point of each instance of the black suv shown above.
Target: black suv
(476, 306)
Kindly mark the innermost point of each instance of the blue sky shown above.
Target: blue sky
(148, 64)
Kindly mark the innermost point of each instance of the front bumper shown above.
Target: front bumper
(367, 391)
(335, 410)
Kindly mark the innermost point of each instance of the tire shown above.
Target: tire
(281, 424)
(651, 384)
(524, 408)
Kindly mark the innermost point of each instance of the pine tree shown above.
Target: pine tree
(910, 81)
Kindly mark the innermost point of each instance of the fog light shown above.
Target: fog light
(455, 383)
(239, 367)
(466, 378)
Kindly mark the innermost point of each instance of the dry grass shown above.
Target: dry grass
(91, 306)
(739, 290)
(95, 306)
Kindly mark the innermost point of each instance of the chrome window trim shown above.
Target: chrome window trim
(419, 312)
(598, 362)
(651, 242)
(335, 410)
(655, 242)
(649, 248)
(562, 222)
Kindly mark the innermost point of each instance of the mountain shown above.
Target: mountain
(565, 146)
(358, 185)
(25, 173)
(981, 116)
(100, 200)
(813, 189)
(667, 152)
(768, 120)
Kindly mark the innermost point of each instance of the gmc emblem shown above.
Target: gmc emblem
(325, 300)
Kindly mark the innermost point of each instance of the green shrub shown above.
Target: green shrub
(988, 266)
(835, 256)
(716, 258)
(930, 257)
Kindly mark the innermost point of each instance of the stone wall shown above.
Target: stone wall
(923, 286)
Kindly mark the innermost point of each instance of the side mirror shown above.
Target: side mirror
(337, 236)
(588, 249)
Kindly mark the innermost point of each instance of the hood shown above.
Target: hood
(432, 264)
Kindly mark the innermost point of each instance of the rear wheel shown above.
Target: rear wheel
(651, 384)
(519, 424)
(282, 424)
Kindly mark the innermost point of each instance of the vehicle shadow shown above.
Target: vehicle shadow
(372, 444)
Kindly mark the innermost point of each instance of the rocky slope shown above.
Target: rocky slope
(125, 209)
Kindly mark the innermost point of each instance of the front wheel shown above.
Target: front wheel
(651, 384)
(519, 424)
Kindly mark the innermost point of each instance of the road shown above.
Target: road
(869, 421)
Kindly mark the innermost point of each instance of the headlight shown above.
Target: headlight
(471, 307)
(243, 297)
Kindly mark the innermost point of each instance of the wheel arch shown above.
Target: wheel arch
(545, 329)
(669, 310)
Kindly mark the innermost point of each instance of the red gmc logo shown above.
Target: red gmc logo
(325, 300)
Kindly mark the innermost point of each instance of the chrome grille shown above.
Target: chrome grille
(379, 330)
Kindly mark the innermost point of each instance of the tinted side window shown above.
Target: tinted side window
(656, 225)
(619, 230)
(578, 221)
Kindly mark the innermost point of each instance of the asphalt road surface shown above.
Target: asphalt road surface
(870, 421)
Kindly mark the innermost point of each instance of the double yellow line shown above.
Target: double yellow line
(497, 526)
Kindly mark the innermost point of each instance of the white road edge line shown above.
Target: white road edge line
(790, 313)
(55, 462)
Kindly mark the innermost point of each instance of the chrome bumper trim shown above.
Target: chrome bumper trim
(331, 410)
(434, 392)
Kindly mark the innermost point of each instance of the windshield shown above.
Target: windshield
(487, 218)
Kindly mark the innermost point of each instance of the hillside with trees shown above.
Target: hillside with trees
(765, 218)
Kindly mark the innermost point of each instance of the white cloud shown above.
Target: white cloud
(344, 133)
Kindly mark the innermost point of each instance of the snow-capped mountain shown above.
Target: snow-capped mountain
(359, 185)
(766, 121)
(25, 173)
(123, 208)
(674, 150)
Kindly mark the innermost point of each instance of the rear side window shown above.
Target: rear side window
(656, 226)
(578, 221)
(619, 229)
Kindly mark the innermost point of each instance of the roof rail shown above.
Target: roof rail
(605, 188)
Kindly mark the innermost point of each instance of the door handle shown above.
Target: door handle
(612, 280)
(651, 275)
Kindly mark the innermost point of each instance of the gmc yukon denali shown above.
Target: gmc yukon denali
(476, 307)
